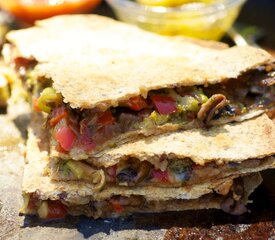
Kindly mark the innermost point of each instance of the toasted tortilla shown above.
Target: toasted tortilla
(235, 142)
(77, 153)
(209, 201)
(221, 140)
(92, 67)
(77, 195)
(35, 179)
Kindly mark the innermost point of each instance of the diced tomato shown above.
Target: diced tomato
(106, 118)
(164, 104)
(116, 205)
(56, 210)
(86, 143)
(56, 115)
(65, 137)
(160, 175)
(60, 149)
(137, 103)
(35, 105)
(112, 173)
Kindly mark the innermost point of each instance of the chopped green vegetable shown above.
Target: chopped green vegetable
(48, 99)
(65, 170)
(159, 119)
(203, 98)
(188, 103)
(76, 169)
(199, 95)
(154, 119)
(146, 123)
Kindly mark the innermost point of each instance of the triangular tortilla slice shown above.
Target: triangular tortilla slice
(95, 61)
(112, 78)
(234, 142)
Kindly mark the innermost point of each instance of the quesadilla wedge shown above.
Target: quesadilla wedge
(54, 199)
(183, 158)
(103, 83)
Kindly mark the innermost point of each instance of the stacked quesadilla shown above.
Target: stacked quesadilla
(171, 172)
(113, 102)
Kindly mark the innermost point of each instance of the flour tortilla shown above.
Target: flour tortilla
(95, 61)
(35, 177)
(208, 201)
(77, 153)
(235, 142)
(77, 193)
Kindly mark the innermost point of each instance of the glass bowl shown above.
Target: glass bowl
(31, 10)
(205, 21)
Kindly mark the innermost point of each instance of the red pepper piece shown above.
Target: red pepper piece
(164, 104)
(56, 115)
(137, 103)
(116, 206)
(65, 137)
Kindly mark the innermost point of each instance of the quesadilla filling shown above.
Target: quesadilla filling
(165, 173)
(117, 205)
(78, 131)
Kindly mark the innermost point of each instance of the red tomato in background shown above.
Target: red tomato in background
(30, 10)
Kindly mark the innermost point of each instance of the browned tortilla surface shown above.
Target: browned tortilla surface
(95, 61)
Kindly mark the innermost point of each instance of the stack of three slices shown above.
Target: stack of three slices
(129, 121)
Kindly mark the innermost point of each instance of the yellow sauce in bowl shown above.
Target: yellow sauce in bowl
(205, 19)
(172, 3)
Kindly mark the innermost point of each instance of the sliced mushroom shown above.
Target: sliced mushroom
(233, 207)
(84, 171)
(98, 178)
(211, 107)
